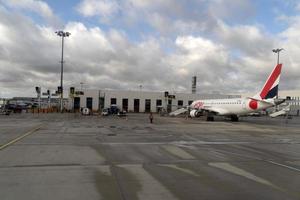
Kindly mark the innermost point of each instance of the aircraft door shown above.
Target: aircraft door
(244, 104)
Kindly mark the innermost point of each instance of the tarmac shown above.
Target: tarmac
(69, 156)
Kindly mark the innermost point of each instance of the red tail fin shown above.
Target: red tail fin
(270, 89)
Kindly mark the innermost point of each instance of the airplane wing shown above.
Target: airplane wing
(217, 111)
(214, 110)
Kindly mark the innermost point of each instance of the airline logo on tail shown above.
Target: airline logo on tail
(270, 89)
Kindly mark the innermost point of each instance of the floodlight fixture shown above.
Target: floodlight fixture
(277, 50)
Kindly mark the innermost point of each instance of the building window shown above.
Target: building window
(190, 102)
(113, 101)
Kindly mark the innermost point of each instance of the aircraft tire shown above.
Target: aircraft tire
(234, 118)
(210, 118)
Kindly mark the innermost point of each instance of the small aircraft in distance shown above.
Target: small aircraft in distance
(236, 107)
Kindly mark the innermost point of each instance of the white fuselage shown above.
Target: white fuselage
(237, 106)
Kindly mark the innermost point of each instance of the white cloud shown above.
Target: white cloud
(238, 10)
(105, 9)
(290, 56)
(199, 48)
(92, 56)
(98, 58)
(202, 57)
(37, 6)
(196, 44)
(247, 39)
(154, 4)
(34, 5)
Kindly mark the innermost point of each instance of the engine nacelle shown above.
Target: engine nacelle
(195, 113)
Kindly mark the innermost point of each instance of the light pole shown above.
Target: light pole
(62, 34)
(277, 51)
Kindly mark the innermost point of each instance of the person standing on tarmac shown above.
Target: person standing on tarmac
(151, 117)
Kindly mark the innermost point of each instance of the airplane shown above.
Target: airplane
(236, 107)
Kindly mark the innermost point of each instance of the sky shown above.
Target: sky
(158, 44)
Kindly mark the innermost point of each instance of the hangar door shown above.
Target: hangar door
(125, 104)
(76, 103)
(147, 105)
(89, 103)
(136, 105)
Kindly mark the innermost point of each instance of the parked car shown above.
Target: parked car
(5, 112)
(122, 113)
(114, 109)
(105, 112)
(85, 111)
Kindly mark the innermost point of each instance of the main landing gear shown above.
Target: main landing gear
(234, 118)
(210, 117)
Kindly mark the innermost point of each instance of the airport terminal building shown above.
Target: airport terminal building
(137, 101)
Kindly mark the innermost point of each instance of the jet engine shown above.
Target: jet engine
(195, 113)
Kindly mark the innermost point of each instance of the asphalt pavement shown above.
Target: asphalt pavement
(69, 156)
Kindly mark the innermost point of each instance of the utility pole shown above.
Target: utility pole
(62, 34)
